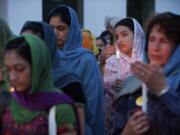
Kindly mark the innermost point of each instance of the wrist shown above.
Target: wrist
(163, 91)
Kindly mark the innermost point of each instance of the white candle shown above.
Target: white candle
(144, 97)
(118, 63)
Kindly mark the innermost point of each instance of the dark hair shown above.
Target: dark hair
(36, 28)
(103, 40)
(105, 33)
(62, 12)
(169, 24)
(128, 22)
(21, 47)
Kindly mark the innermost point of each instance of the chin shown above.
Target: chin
(157, 63)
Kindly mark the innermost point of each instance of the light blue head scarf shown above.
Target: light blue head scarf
(81, 61)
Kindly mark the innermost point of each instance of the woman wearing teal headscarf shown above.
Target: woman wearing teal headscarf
(33, 93)
(5, 35)
(69, 83)
(82, 62)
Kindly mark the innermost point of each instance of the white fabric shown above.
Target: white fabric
(52, 121)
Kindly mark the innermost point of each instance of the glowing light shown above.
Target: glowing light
(11, 89)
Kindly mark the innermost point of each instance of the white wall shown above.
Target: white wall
(95, 12)
(20, 11)
(16, 12)
(167, 5)
(3, 9)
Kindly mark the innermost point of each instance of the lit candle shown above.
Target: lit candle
(144, 97)
(118, 63)
(11, 89)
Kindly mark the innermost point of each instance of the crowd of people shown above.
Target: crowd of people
(59, 78)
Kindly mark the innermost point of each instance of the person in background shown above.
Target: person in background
(101, 43)
(108, 36)
(89, 41)
(5, 35)
(82, 62)
(110, 22)
(32, 92)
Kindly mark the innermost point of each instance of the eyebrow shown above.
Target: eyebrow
(124, 31)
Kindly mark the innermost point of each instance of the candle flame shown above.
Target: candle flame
(117, 54)
(11, 89)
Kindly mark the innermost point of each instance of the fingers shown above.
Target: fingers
(140, 122)
(106, 53)
(141, 71)
(118, 85)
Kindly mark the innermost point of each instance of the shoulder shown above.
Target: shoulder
(89, 56)
(65, 114)
(65, 118)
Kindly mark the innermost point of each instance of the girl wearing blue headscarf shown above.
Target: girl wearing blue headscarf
(80, 61)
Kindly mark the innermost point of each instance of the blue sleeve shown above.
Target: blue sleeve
(172, 102)
(92, 82)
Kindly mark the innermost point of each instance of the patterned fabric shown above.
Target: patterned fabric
(27, 106)
(38, 126)
(112, 63)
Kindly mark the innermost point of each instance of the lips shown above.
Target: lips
(156, 57)
(121, 46)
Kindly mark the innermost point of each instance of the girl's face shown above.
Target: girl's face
(100, 44)
(159, 47)
(19, 71)
(60, 29)
(124, 39)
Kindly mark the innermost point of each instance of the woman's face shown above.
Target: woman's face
(60, 29)
(100, 44)
(124, 39)
(160, 47)
(19, 71)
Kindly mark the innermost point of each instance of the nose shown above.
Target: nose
(13, 76)
(119, 41)
(157, 45)
(56, 31)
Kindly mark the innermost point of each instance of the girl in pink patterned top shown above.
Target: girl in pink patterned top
(130, 40)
